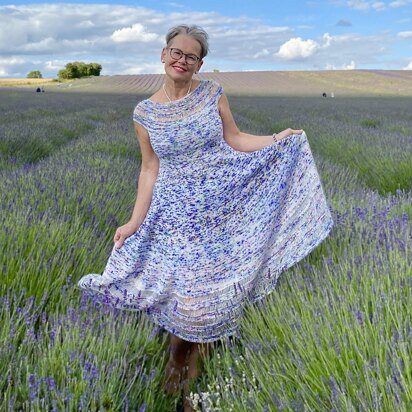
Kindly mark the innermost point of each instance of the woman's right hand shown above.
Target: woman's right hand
(124, 232)
(285, 133)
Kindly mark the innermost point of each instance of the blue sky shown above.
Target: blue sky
(127, 37)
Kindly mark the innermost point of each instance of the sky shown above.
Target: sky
(127, 37)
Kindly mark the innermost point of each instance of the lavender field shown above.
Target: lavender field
(336, 334)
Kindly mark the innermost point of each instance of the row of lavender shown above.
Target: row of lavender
(336, 333)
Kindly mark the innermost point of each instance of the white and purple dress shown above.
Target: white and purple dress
(222, 224)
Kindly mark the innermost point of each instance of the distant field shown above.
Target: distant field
(263, 83)
(23, 82)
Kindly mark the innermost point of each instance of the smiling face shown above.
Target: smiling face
(179, 69)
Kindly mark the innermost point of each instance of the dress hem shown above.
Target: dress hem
(255, 299)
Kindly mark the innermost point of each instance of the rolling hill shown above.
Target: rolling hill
(263, 83)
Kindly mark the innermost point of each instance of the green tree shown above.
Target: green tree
(62, 74)
(75, 70)
(35, 74)
(95, 69)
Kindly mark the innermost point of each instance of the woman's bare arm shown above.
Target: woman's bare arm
(148, 174)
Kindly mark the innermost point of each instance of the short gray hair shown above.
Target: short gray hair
(194, 31)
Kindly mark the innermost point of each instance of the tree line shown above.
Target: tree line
(76, 70)
(72, 70)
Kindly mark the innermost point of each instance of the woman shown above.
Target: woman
(219, 213)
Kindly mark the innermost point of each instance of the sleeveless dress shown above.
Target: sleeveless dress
(222, 224)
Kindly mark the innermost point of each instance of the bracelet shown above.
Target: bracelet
(274, 137)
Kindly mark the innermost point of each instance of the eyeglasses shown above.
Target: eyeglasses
(176, 54)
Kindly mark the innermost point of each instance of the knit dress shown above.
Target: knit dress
(222, 224)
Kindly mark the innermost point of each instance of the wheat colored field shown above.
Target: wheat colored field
(23, 82)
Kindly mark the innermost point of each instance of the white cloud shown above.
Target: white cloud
(409, 66)
(350, 66)
(378, 5)
(328, 40)
(400, 3)
(358, 5)
(262, 53)
(71, 28)
(177, 5)
(297, 49)
(405, 34)
(8, 65)
(9, 61)
(136, 33)
(54, 64)
(364, 5)
(249, 32)
(46, 44)
(85, 24)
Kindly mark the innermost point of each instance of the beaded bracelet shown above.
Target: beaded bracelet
(274, 137)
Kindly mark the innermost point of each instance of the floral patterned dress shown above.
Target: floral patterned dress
(222, 224)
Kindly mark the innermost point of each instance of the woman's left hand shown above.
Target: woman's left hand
(284, 133)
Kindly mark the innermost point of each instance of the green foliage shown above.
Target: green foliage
(373, 123)
(35, 74)
(76, 70)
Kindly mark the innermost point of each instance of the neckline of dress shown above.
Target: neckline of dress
(201, 82)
